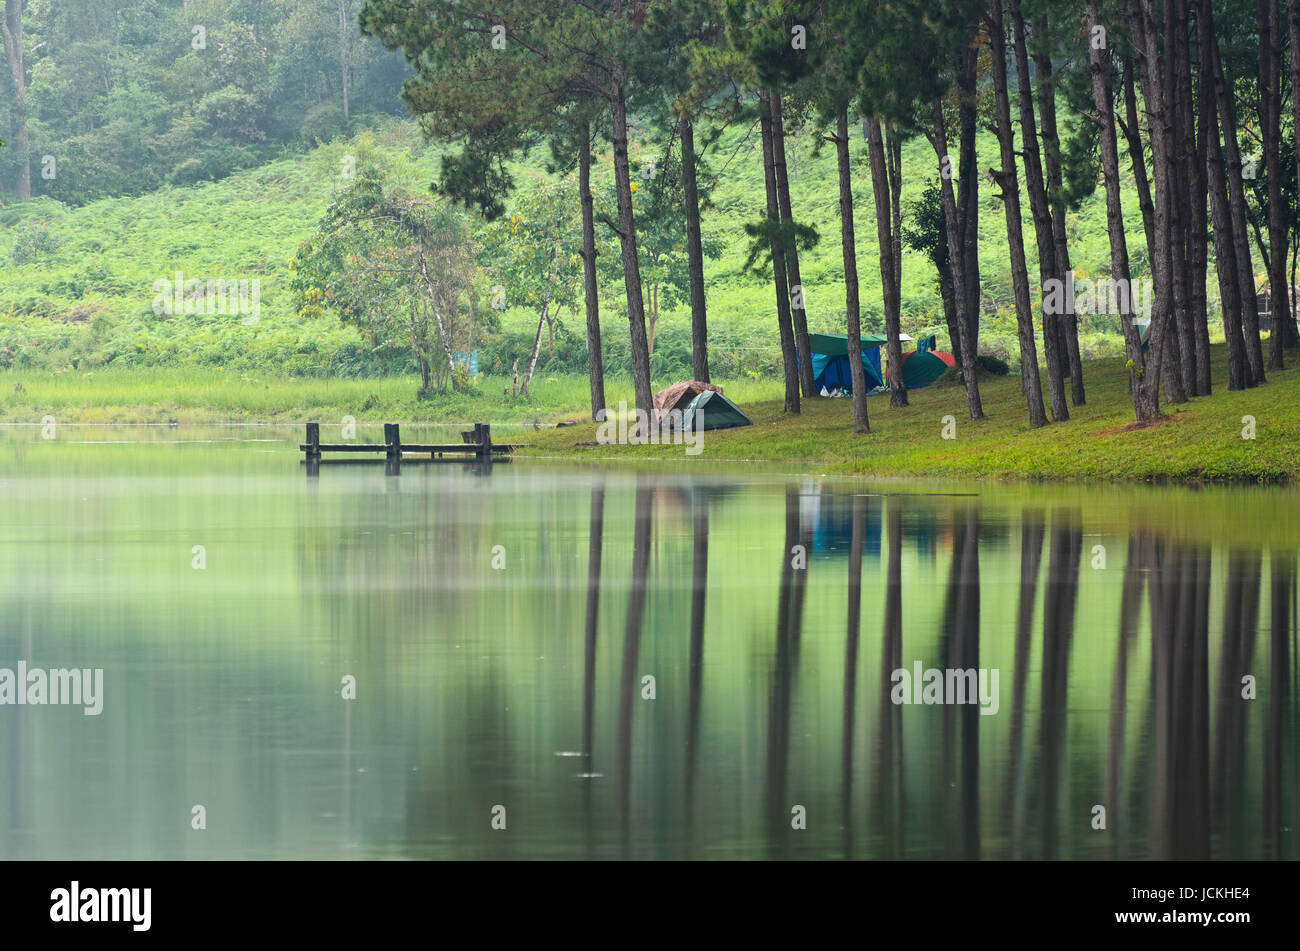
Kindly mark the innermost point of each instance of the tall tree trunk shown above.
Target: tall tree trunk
(595, 359)
(543, 320)
(968, 194)
(948, 296)
(1176, 62)
(1240, 212)
(939, 139)
(1145, 392)
(426, 376)
(791, 252)
(1270, 74)
(858, 376)
(1042, 215)
(1225, 254)
(652, 315)
(1291, 337)
(537, 347)
(1068, 323)
(627, 242)
(893, 310)
(1009, 181)
(694, 255)
(1290, 323)
(13, 37)
(430, 285)
(345, 67)
(783, 323)
(1142, 23)
(1197, 190)
(1137, 158)
(894, 162)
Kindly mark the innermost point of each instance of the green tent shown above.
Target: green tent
(837, 345)
(715, 412)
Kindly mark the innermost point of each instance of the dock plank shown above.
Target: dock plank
(464, 448)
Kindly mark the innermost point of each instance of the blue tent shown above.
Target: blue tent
(830, 361)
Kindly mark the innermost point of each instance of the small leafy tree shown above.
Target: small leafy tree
(398, 267)
(536, 255)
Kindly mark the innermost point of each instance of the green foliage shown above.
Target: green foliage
(251, 223)
(789, 234)
(476, 177)
(128, 96)
(32, 242)
(991, 365)
(533, 255)
(396, 267)
(658, 203)
(923, 224)
(773, 36)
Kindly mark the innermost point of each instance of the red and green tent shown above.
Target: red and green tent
(923, 367)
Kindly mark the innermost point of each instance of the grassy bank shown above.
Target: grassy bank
(1197, 442)
(1200, 441)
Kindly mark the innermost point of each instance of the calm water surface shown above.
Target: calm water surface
(502, 627)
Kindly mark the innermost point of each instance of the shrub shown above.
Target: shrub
(33, 241)
(992, 365)
(355, 360)
(322, 122)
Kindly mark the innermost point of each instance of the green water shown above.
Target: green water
(523, 684)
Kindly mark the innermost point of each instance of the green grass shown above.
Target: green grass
(202, 395)
(1199, 441)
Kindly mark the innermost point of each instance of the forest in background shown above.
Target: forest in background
(82, 301)
(224, 131)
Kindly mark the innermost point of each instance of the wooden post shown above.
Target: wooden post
(313, 441)
(483, 437)
(393, 440)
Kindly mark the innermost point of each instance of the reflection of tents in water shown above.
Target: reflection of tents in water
(926, 521)
(831, 515)
(713, 411)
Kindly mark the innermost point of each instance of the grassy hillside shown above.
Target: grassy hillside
(76, 289)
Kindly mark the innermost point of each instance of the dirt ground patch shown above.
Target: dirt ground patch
(1133, 427)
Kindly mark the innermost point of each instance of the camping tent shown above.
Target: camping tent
(830, 361)
(679, 395)
(923, 367)
(714, 411)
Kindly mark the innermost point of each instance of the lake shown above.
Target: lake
(546, 660)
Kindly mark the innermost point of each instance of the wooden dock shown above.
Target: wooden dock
(475, 444)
